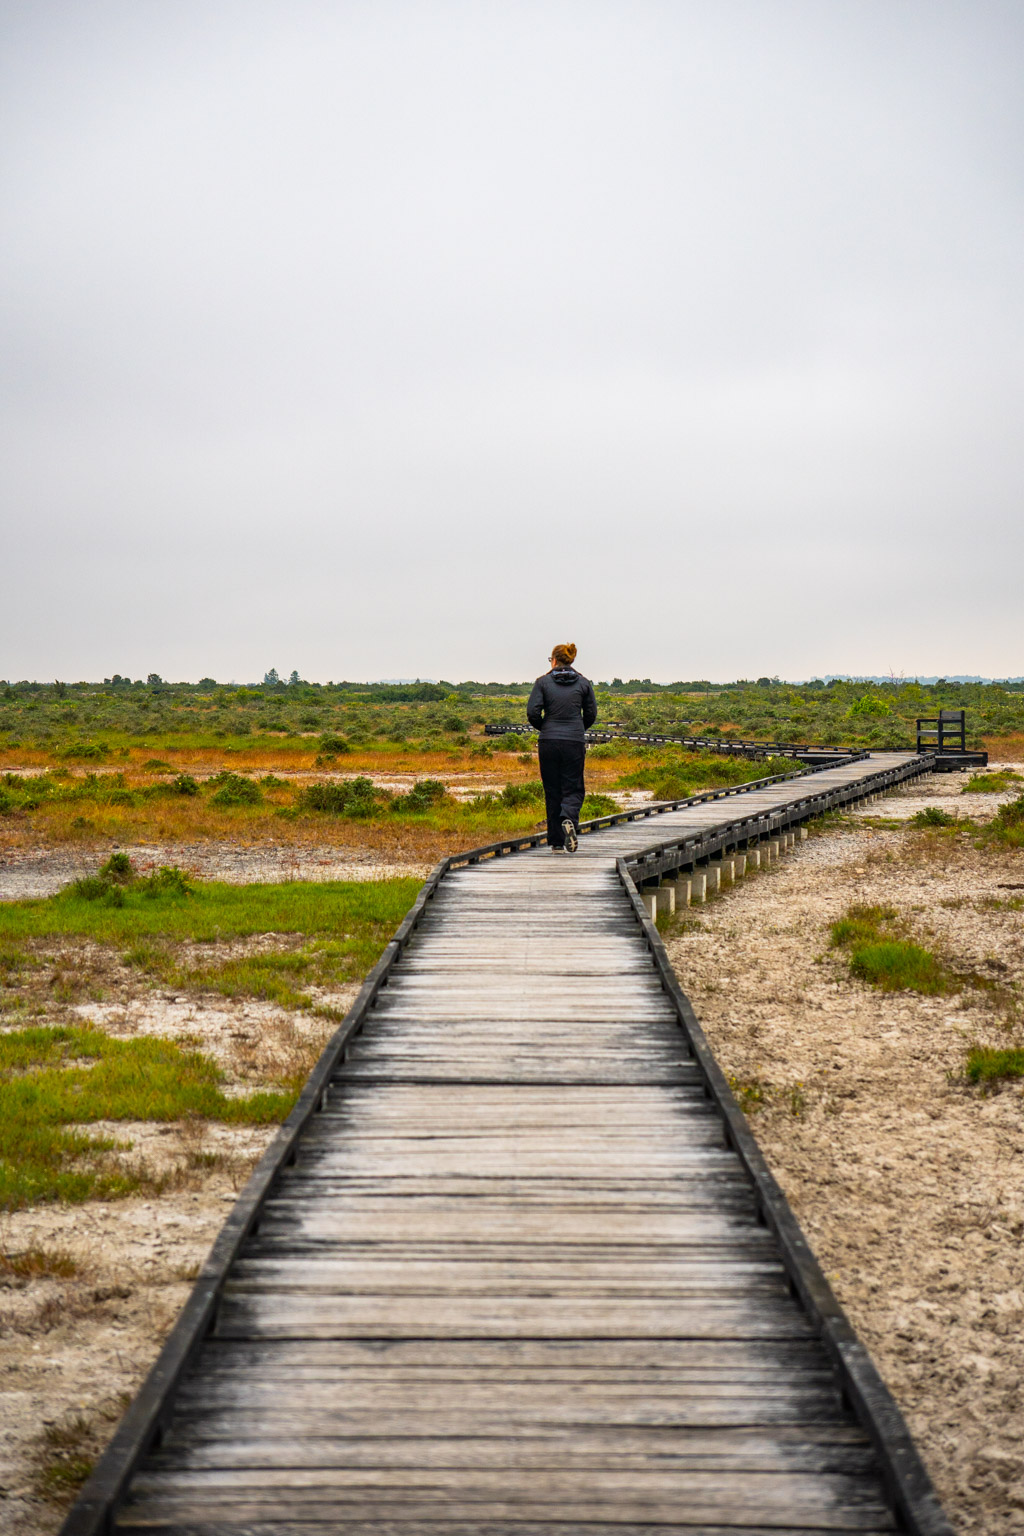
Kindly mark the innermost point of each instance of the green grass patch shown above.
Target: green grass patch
(882, 955)
(686, 774)
(280, 976)
(1007, 825)
(988, 1064)
(862, 924)
(362, 914)
(899, 966)
(598, 805)
(991, 783)
(55, 1079)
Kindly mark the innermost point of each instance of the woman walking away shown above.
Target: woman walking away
(562, 706)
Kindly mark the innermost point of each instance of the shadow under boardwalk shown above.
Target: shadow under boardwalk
(515, 1283)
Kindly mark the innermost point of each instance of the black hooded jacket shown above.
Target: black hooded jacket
(562, 705)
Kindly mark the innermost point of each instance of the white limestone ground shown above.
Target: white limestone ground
(909, 1182)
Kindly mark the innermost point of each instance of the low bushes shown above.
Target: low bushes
(352, 797)
(234, 789)
(933, 816)
(691, 773)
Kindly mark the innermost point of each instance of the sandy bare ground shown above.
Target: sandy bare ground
(909, 1183)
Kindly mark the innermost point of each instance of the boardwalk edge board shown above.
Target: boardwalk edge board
(915, 1502)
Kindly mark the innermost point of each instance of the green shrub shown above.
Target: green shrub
(866, 705)
(92, 888)
(107, 885)
(185, 784)
(933, 816)
(86, 751)
(423, 796)
(168, 880)
(333, 746)
(352, 797)
(513, 796)
(233, 789)
(119, 869)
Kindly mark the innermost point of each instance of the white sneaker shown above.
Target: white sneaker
(571, 840)
(558, 850)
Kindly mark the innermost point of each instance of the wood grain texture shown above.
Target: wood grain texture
(515, 1283)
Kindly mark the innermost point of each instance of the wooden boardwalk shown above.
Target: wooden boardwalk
(515, 1283)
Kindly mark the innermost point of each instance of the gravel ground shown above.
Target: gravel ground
(908, 1182)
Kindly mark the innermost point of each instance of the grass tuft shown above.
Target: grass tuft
(899, 966)
(39, 1264)
(988, 1064)
(882, 955)
(991, 783)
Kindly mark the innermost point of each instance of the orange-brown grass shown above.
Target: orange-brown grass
(188, 819)
(183, 819)
(1004, 749)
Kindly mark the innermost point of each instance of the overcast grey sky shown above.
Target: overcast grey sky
(388, 339)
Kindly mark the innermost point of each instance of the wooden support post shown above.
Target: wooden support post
(754, 858)
(666, 897)
(714, 879)
(698, 887)
(803, 834)
(681, 886)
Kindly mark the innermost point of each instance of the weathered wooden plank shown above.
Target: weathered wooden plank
(504, 1358)
(671, 1451)
(382, 1315)
(731, 1507)
(515, 1283)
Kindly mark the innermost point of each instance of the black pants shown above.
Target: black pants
(561, 771)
